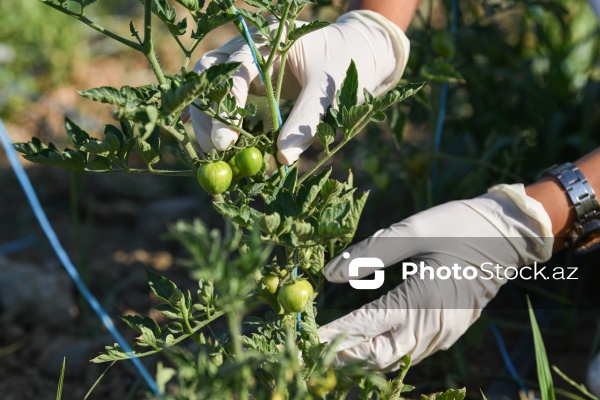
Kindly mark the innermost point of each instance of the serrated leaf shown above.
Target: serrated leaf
(111, 95)
(379, 116)
(169, 311)
(310, 330)
(112, 353)
(149, 154)
(257, 20)
(348, 93)
(308, 194)
(162, 287)
(269, 223)
(261, 4)
(350, 118)
(77, 136)
(209, 22)
(194, 85)
(452, 394)
(298, 31)
(147, 338)
(397, 95)
(192, 5)
(284, 204)
(331, 189)
(326, 135)
(255, 189)
(107, 148)
(302, 230)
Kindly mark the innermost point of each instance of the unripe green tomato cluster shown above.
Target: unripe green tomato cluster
(294, 296)
(216, 177)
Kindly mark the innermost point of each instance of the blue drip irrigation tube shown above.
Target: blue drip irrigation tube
(506, 358)
(64, 258)
(439, 129)
(262, 77)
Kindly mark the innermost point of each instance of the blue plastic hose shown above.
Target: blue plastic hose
(64, 257)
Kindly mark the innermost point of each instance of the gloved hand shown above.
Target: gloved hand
(422, 316)
(318, 62)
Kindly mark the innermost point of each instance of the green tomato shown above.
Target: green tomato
(234, 169)
(249, 161)
(442, 43)
(294, 296)
(271, 281)
(320, 386)
(215, 177)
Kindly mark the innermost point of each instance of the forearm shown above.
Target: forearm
(556, 201)
(400, 12)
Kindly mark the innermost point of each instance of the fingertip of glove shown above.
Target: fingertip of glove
(223, 137)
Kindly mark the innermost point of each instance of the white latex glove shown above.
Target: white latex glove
(318, 62)
(593, 376)
(420, 317)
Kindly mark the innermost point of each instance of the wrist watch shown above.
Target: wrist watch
(585, 236)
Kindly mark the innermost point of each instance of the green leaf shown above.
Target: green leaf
(350, 118)
(441, 71)
(111, 95)
(310, 330)
(353, 217)
(112, 353)
(397, 95)
(147, 339)
(308, 194)
(160, 286)
(257, 20)
(379, 116)
(169, 311)
(136, 323)
(194, 85)
(163, 376)
(452, 394)
(68, 159)
(208, 22)
(148, 153)
(284, 204)
(298, 31)
(107, 148)
(269, 223)
(348, 93)
(331, 189)
(77, 136)
(326, 135)
(192, 5)
(261, 5)
(541, 358)
(302, 230)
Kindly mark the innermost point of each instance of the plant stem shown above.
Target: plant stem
(278, 36)
(183, 139)
(93, 25)
(186, 173)
(199, 326)
(148, 47)
(234, 320)
(280, 76)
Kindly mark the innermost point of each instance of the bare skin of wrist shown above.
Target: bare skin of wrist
(400, 12)
(556, 201)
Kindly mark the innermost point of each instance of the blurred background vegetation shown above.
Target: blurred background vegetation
(523, 93)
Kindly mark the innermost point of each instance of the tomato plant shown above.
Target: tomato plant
(277, 220)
